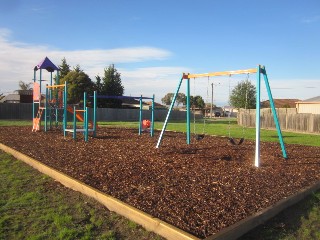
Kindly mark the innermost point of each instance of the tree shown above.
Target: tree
(25, 86)
(78, 83)
(197, 102)
(167, 99)
(111, 85)
(77, 68)
(64, 68)
(98, 84)
(181, 99)
(243, 95)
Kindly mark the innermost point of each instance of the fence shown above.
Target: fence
(23, 111)
(16, 111)
(288, 118)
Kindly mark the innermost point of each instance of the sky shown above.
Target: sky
(151, 43)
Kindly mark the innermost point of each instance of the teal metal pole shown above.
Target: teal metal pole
(168, 114)
(40, 83)
(57, 98)
(152, 117)
(58, 78)
(84, 101)
(40, 80)
(74, 123)
(65, 101)
(94, 113)
(45, 110)
(140, 116)
(274, 112)
(57, 118)
(33, 104)
(50, 93)
(84, 113)
(86, 125)
(258, 88)
(50, 99)
(188, 111)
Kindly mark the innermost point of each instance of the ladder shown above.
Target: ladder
(37, 120)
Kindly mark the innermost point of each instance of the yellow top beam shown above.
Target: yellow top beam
(214, 74)
(56, 86)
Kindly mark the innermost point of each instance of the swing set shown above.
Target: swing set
(231, 139)
(259, 70)
(197, 135)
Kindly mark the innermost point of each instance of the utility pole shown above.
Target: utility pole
(211, 110)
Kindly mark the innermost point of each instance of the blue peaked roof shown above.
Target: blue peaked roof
(46, 64)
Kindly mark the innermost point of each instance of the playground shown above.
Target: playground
(196, 182)
(200, 188)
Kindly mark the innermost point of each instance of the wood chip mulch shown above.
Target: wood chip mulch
(200, 188)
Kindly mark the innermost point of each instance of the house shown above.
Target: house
(229, 111)
(311, 105)
(19, 96)
(280, 103)
(133, 103)
(157, 106)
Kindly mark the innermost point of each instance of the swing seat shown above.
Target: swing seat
(233, 142)
(199, 137)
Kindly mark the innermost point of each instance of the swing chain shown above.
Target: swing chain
(229, 115)
(246, 104)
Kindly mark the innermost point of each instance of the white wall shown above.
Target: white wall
(313, 108)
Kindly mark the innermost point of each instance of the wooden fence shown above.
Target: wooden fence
(288, 118)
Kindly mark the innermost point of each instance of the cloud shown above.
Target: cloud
(311, 19)
(151, 80)
(17, 59)
(292, 88)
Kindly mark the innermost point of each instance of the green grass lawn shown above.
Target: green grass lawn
(222, 127)
(300, 221)
(33, 206)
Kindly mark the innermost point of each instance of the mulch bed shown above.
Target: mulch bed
(200, 188)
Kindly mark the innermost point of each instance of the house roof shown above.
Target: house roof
(11, 97)
(280, 103)
(24, 92)
(156, 105)
(314, 99)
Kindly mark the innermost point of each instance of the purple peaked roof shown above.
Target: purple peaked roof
(46, 64)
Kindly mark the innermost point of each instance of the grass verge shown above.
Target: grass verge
(33, 206)
(300, 221)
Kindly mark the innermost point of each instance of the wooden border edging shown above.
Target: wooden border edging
(154, 224)
(240, 228)
(147, 221)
